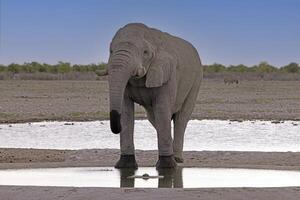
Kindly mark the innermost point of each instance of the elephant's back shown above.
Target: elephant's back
(186, 54)
(188, 70)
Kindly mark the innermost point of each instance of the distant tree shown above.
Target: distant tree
(101, 66)
(76, 68)
(80, 68)
(265, 67)
(253, 68)
(14, 68)
(53, 68)
(291, 68)
(63, 67)
(26, 67)
(92, 67)
(237, 68)
(35, 67)
(2, 68)
(32, 67)
(214, 68)
(46, 67)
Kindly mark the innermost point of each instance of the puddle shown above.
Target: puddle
(212, 135)
(179, 178)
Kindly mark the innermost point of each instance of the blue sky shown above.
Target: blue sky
(79, 31)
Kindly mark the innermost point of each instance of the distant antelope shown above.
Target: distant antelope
(16, 76)
(231, 81)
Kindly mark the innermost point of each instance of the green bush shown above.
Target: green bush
(291, 68)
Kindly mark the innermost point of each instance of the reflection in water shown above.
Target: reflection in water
(124, 180)
(177, 178)
(172, 178)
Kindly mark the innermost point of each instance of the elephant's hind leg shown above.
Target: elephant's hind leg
(181, 119)
(127, 159)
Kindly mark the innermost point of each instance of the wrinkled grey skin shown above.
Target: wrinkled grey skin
(162, 73)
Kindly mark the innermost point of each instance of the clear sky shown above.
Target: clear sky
(79, 31)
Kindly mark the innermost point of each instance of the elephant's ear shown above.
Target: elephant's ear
(160, 70)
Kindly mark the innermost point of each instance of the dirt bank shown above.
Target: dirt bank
(25, 158)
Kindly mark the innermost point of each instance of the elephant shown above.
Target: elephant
(163, 74)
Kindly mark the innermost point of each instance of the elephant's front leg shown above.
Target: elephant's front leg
(162, 115)
(127, 158)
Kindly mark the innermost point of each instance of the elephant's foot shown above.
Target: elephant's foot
(166, 162)
(178, 159)
(126, 161)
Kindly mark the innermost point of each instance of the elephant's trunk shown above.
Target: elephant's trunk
(119, 74)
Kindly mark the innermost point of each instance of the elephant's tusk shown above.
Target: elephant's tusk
(140, 72)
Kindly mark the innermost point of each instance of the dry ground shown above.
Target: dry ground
(88, 100)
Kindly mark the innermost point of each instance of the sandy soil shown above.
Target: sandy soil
(88, 100)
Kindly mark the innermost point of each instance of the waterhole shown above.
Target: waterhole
(178, 178)
(211, 135)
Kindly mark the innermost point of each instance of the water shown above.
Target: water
(179, 178)
(200, 135)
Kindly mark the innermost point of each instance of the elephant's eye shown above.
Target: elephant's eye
(145, 52)
(110, 51)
